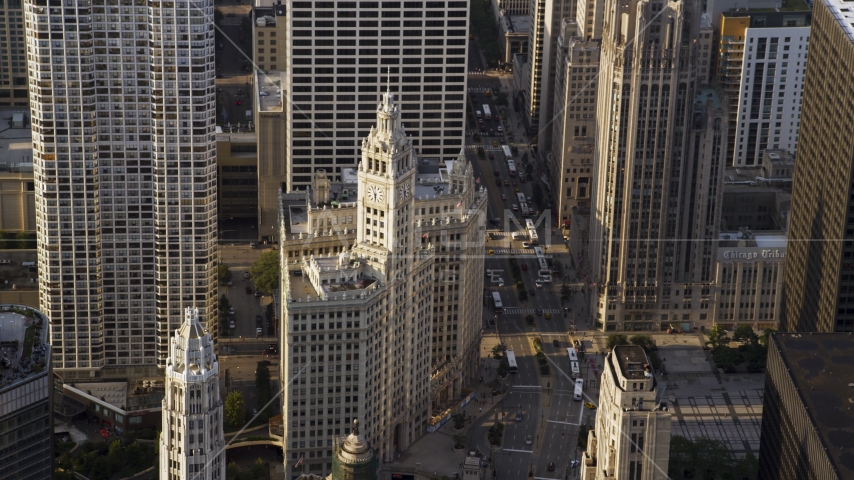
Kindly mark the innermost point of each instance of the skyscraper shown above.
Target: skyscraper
(337, 67)
(192, 445)
(819, 270)
(125, 175)
(658, 169)
(13, 77)
(381, 296)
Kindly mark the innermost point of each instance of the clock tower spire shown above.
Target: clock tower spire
(386, 183)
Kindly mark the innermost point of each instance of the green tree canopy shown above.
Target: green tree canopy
(615, 339)
(643, 341)
(565, 293)
(262, 383)
(265, 272)
(717, 337)
(234, 410)
(745, 334)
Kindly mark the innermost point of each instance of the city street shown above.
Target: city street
(549, 414)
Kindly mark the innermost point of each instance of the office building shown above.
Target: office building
(13, 56)
(574, 123)
(751, 258)
(631, 437)
(342, 56)
(761, 62)
(26, 395)
(510, 8)
(818, 267)
(514, 30)
(653, 237)
(353, 459)
(237, 179)
(538, 77)
(806, 419)
(123, 126)
(192, 445)
(383, 269)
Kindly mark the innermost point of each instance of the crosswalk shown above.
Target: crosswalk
(527, 311)
(514, 251)
(485, 147)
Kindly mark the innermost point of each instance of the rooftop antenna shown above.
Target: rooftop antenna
(388, 78)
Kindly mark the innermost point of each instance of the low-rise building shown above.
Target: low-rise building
(631, 438)
(17, 187)
(26, 394)
(514, 29)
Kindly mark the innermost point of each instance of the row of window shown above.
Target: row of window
(385, 5)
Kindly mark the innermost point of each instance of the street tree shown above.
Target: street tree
(766, 334)
(262, 383)
(643, 341)
(565, 293)
(615, 339)
(223, 273)
(265, 271)
(234, 408)
(717, 337)
(745, 334)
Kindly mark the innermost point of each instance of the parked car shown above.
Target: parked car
(246, 275)
(258, 332)
(249, 290)
(528, 440)
(258, 293)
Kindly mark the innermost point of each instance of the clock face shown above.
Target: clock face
(407, 191)
(375, 194)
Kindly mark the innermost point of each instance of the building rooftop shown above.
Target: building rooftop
(780, 6)
(632, 362)
(23, 349)
(820, 367)
(707, 93)
(517, 23)
(269, 91)
(16, 140)
(843, 11)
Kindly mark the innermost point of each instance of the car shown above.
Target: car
(556, 343)
(500, 128)
(503, 196)
(519, 415)
(231, 310)
(539, 312)
(551, 467)
(497, 173)
(506, 182)
(231, 324)
(522, 179)
(238, 102)
(525, 267)
(494, 143)
(249, 290)
(246, 275)
(254, 411)
(538, 284)
(514, 182)
(548, 315)
(258, 294)
(576, 343)
(487, 92)
(515, 207)
(483, 128)
(526, 244)
(258, 320)
(528, 440)
(516, 190)
(500, 282)
(589, 406)
(532, 292)
(240, 91)
(263, 94)
(530, 211)
(529, 199)
(492, 156)
(491, 252)
(500, 139)
(258, 332)
(480, 121)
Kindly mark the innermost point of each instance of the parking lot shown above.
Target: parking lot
(247, 307)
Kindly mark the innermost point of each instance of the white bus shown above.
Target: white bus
(511, 360)
(523, 207)
(511, 166)
(486, 113)
(543, 264)
(496, 300)
(579, 389)
(521, 197)
(576, 373)
(573, 356)
(507, 153)
(535, 239)
(529, 225)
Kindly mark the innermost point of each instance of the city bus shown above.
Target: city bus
(523, 207)
(511, 166)
(573, 356)
(535, 239)
(511, 360)
(496, 300)
(575, 371)
(521, 197)
(486, 113)
(529, 225)
(507, 153)
(579, 389)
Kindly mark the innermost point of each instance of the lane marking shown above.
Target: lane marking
(519, 451)
(564, 423)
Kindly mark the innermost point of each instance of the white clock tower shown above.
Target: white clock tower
(386, 184)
